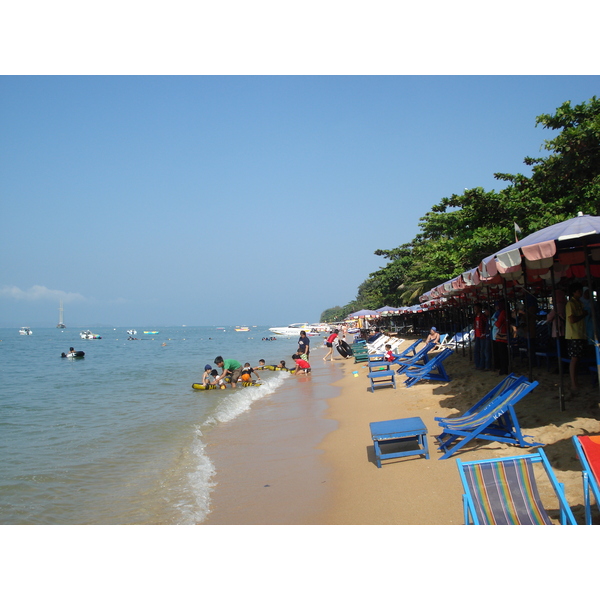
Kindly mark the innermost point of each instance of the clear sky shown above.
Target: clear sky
(200, 200)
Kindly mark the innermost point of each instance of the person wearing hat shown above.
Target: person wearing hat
(206, 377)
(433, 336)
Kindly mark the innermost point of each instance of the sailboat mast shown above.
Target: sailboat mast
(60, 316)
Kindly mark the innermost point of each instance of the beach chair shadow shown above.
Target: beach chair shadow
(588, 452)
(503, 491)
(433, 370)
(493, 418)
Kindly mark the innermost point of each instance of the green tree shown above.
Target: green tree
(461, 230)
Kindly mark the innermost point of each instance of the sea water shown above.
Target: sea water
(117, 437)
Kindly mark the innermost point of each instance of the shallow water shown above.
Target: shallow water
(118, 436)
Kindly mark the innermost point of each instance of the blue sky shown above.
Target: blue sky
(200, 200)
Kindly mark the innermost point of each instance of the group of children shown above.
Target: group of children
(211, 376)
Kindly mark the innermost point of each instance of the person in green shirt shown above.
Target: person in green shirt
(231, 368)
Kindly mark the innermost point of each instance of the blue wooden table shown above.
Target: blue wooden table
(385, 433)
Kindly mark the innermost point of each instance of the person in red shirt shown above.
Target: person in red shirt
(329, 344)
(301, 365)
(389, 355)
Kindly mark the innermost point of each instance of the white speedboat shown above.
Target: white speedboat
(25, 331)
(88, 335)
(293, 329)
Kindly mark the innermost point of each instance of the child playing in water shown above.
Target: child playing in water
(247, 373)
(302, 366)
(206, 380)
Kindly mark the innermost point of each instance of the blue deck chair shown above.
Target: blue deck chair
(433, 370)
(483, 404)
(406, 353)
(503, 491)
(588, 452)
(497, 422)
(421, 356)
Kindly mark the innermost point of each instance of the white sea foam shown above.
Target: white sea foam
(201, 479)
(199, 484)
(239, 401)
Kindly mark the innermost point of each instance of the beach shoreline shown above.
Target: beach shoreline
(336, 480)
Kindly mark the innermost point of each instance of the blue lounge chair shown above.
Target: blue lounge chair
(406, 353)
(422, 356)
(483, 404)
(495, 421)
(503, 491)
(432, 370)
(588, 452)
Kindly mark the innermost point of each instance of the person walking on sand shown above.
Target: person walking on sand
(329, 344)
(575, 330)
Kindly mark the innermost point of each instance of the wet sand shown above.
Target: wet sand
(316, 456)
(269, 469)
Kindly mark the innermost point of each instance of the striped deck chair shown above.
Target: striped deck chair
(496, 422)
(588, 452)
(433, 370)
(503, 491)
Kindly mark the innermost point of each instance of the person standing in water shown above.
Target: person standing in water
(329, 344)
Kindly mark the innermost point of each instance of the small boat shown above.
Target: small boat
(293, 329)
(25, 331)
(75, 354)
(238, 328)
(88, 335)
(150, 332)
(131, 331)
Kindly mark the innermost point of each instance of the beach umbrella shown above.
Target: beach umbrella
(563, 249)
(537, 251)
(364, 313)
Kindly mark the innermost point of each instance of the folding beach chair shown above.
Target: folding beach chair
(497, 421)
(508, 382)
(406, 353)
(503, 491)
(433, 370)
(360, 352)
(420, 356)
(588, 452)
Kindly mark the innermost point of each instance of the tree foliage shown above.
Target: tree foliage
(461, 230)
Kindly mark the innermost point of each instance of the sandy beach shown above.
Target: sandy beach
(308, 458)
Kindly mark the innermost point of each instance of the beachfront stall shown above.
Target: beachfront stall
(527, 276)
